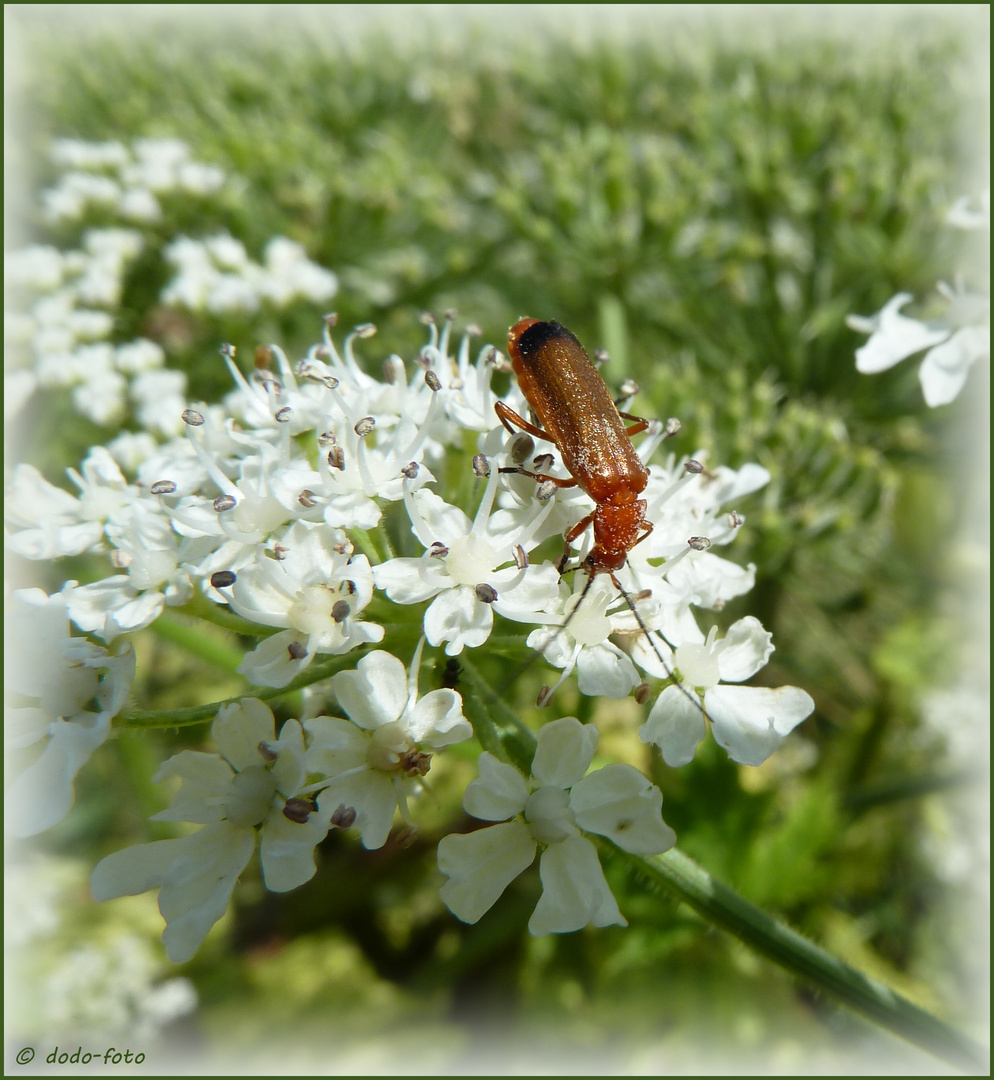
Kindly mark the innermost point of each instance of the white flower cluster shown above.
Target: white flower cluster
(284, 794)
(59, 319)
(217, 275)
(259, 506)
(58, 331)
(123, 181)
(954, 342)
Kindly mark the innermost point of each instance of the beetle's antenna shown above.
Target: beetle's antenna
(545, 695)
(692, 698)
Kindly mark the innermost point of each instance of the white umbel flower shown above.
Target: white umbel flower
(253, 791)
(552, 809)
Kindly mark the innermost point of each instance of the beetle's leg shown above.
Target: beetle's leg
(508, 416)
(647, 528)
(558, 481)
(641, 424)
(564, 559)
(581, 526)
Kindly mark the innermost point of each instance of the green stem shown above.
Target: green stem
(495, 724)
(190, 637)
(198, 714)
(220, 615)
(723, 907)
(364, 542)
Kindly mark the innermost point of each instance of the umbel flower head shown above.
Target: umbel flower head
(552, 809)
(271, 506)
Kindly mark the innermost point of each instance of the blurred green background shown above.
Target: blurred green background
(706, 196)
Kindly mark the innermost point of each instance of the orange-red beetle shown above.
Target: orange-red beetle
(578, 416)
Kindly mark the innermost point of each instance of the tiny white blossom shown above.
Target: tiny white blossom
(578, 637)
(139, 355)
(963, 215)
(750, 722)
(552, 809)
(49, 521)
(465, 569)
(313, 589)
(39, 267)
(241, 796)
(57, 679)
(160, 397)
(955, 342)
(375, 758)
(79, 154)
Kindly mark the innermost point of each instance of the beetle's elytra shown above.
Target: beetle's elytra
(578, 416)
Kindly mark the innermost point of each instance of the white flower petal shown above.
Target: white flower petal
(564, 752)
(676, 725)
(894, 337)
(270, 662)
(744, 650)
(520, 596)
(286, 850)
(498, 793)
(409, 581)
(945, 368)
(457, 617)
(289, 767)
(336, 746)
(205, 783)
(238, 729)
(736, 483)
(443, 523)
(574, 891)
(112, 606)
(372, 795)
(712, 579)
(53, 541)
(605, 671)
(23, 727)
(644, 655)
(619, 802)
(196, 875)
(375, 693)
(437, 719)
(42, 794)
(750, 722)
(480, 865)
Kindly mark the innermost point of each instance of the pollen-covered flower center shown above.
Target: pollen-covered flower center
(548, 813)
(470, 560)
(698, 665)
(312, 611)
(250, 796)
(389, 746)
